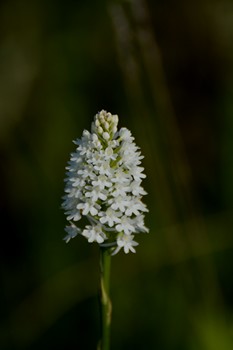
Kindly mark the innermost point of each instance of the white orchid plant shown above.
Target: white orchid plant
(103, 191)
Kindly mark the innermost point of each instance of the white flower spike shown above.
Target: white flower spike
(103, 186)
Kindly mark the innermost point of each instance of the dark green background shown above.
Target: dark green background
(165, 67)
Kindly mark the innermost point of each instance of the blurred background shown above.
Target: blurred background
(165, 67)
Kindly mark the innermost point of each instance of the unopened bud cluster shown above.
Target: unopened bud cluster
(103, 186)
(105, 125)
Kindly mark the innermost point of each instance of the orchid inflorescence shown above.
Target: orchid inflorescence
(103, 186)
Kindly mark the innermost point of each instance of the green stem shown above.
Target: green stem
(106, 306)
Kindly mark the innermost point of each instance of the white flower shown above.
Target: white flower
(94, 234)
(120, 176)
(125, 134)
(139, 224)
(72, 231)
(101, 181)
(110, 217)
(125, 225)
(126, 242)
(86, 172)
(109, 153)
(78, 183)
(104, 168)
(119, 203)
(119, 189)
(135, 207)
(88, 207)
(137, 173)
(136, 189)
(95, 193)
(103, 186)
(73, 215)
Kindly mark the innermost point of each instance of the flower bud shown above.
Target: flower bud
(106, 135)
(100, 130)
(106, 125)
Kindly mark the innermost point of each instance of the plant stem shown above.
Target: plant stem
(106, 306)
